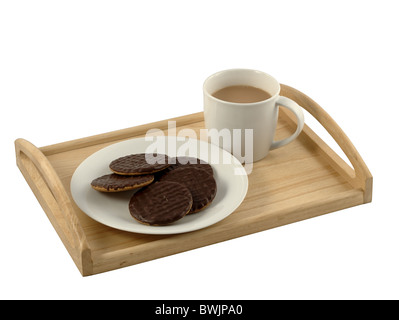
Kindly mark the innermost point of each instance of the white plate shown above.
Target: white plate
(112, 209)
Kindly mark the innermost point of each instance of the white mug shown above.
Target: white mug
(259, 118)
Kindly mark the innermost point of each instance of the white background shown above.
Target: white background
(71, 69)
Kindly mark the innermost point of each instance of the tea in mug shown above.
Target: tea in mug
(241, 94)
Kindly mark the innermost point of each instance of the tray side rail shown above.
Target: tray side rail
(51, 194)
(361, 177)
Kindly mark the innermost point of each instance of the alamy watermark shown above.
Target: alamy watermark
(238, 142)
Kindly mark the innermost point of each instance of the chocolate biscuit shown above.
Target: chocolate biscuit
(117, 183)
(177, 162)
(201, 184)
(161, 203)
(141, 163)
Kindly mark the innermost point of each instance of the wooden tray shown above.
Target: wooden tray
(301, 180)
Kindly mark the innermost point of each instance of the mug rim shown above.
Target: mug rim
(240, 103)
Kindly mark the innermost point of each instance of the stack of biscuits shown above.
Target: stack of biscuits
(170, 188)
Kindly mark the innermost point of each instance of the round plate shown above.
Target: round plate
(112, 209)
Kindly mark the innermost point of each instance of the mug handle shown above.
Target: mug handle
(296, 109)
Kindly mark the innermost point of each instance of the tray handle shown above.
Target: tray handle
(36, 167)
(362, 177)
